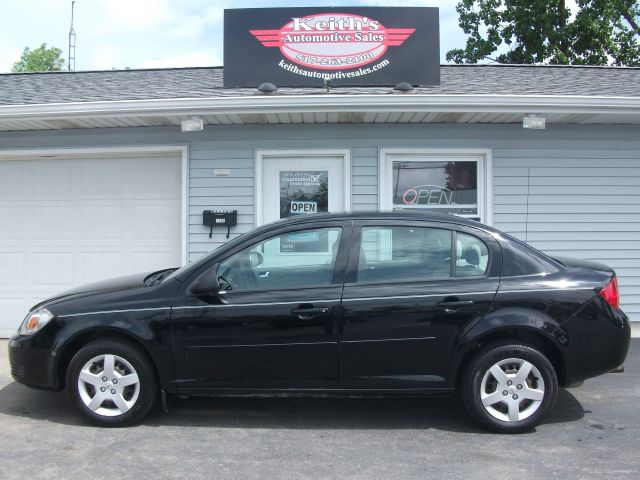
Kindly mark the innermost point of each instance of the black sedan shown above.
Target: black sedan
(402, 303)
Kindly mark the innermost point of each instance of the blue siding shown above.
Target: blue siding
(569, 190)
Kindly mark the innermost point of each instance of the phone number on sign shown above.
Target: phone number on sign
(334, 61)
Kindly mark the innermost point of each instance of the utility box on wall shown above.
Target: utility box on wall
(222, 218)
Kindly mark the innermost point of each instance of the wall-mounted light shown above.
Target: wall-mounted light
(192, 125)
(534, 122)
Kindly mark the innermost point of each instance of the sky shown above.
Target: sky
(155, 33)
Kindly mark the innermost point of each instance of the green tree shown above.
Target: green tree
(42, 59)
(600, 32)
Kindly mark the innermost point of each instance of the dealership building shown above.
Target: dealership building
(106, 173)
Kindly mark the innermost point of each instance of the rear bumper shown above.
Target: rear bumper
(596, 341)
(31, 365)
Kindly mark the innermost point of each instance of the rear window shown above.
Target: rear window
(519, 258)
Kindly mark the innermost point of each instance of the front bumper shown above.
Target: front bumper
(32, 364)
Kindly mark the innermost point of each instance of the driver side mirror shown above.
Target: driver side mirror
(207, 284)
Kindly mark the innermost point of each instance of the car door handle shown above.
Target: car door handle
(455, 303)
(307, 313)
(452, 306)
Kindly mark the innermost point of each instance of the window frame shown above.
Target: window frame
(483, 157)
(454, 251)
(337, 276)
(351, 278)
(409, 280)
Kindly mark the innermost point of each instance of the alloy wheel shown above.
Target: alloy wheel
(108, 385)
(512, 390)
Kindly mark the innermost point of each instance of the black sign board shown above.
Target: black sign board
(307, 47)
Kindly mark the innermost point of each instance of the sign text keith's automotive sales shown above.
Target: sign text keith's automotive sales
(308, 46)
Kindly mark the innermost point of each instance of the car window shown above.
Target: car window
(297, 259)
(404, 253)
(472, 256)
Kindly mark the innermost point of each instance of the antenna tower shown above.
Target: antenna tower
(71, 63)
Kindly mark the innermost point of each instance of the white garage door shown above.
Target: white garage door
(69, 221)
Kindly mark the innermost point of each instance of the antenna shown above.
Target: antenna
(71, 64)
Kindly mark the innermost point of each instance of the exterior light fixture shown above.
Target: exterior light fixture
(403, 87)
(268, 88)
(534, 122)
(192, 125)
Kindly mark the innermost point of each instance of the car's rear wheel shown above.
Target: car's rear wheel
(508, 388)
(111, 383)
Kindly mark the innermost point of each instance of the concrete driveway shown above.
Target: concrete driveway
(593, 432)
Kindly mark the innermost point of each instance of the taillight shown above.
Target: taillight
(610, 293)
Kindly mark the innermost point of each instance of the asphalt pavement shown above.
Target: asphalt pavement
(593, 432)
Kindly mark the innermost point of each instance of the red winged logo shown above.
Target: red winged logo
(333, 41)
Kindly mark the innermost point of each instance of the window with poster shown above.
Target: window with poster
(304, 192)
(437, 181)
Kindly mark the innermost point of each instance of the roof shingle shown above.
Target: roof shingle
(206, 82)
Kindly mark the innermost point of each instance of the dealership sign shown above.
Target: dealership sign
(315, 46)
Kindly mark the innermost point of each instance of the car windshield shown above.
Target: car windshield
(192, 266)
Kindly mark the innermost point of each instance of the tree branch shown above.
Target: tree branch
(630, 20)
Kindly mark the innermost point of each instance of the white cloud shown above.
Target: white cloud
(8, 56)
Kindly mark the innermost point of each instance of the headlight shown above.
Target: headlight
(35, 321)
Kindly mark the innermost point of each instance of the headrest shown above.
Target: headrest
(472, 255)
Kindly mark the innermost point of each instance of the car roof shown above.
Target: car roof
(372, 215)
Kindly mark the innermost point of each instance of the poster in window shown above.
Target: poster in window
(304, 192)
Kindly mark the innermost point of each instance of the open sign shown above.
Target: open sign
(299, 208)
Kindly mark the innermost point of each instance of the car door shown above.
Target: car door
(274, 323)
(410, 290)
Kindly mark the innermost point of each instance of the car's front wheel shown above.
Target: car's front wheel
(111, 383)
(509, 387)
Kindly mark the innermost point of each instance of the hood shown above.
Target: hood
(128, 282)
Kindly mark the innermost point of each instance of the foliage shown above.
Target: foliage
(41, 59)
(600, 32)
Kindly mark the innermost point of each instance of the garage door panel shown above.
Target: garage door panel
(12, 182)
(95, 266)
(12, 270)
(65, 222)
(152, 179)
(49, 223)
(12, 219)
(50, 180)
(100, 180)
(147, 261)
(12, 312)
(51, 268)
(150, 223)
(101, 223)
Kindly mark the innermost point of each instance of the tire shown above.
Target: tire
(111, 383)
(499, 396)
